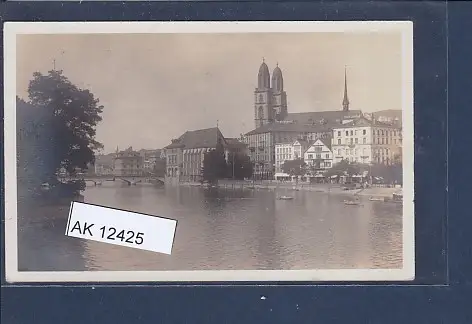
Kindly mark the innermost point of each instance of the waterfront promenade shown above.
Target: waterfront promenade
(377, 192)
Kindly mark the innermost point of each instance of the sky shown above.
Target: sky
(154, 87)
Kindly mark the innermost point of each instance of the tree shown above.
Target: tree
(392, 173)
(295, 167)
(317, 164)
(159, 168)
(33, 138)
(242, 166)
(214, 165)
(72, 115)
(345, 167)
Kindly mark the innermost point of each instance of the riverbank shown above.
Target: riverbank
(375, 192)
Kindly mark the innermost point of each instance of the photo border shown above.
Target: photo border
(11, 29)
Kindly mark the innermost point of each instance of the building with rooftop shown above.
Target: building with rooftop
(276, 126)
(318, 156)
(104, 164)
(150, 158)
(262, 141)
(128, 163)
(185, 155)
(367, 141)
(289, 151)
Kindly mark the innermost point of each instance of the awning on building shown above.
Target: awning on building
(282, 175)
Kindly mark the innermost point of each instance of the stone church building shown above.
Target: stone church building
(274, 124)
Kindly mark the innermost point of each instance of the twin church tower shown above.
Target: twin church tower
(270, 99)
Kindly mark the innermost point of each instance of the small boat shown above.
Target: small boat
(285, 198)
(45, 186)
(376, 199)
(397, 197)
(351, 202)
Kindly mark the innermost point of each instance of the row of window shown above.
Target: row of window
(172, 159)
(381, 141)
(377, 152)
(364, 132)
(262, 157)
(172, 172)
(353, 133)
(382, 152)
(351, 152)
(194, 166)
(316, 164)
(352, 141)
(192, 157)
(284, 157)
(382, 160)
(283, 150)
(288, 150)
(325, 164)
(318, 156)
(318, 148)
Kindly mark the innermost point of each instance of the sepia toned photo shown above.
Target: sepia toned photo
(283, 150)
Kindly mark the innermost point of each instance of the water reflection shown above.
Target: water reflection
(225, 229)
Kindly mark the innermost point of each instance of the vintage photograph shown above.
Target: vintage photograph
(284, 150)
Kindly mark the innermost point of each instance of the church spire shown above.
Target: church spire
(345, 99)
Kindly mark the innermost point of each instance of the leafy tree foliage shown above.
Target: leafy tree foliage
(33, 137)
(243, 167)
(296, 167)
(389, 173)
(214, 165)
(72, 114)
(159, 168)
(344, 167)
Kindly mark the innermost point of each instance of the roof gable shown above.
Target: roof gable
(301, 142)
(201, 138)
(319, 142)
(324, 142)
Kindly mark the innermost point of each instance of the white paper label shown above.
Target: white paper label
(120, 227)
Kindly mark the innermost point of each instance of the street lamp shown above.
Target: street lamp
(233, 165)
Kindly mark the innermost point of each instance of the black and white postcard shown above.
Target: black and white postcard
(272, 151)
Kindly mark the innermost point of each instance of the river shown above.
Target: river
(221, 229)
